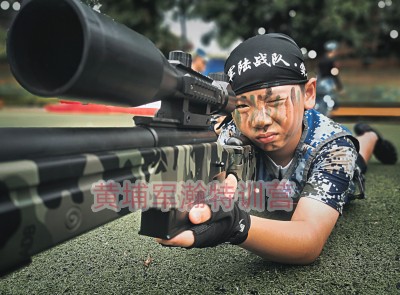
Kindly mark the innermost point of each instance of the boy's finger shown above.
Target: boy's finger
(231, 180)
(202, 212)
(199, 214)
(184, 239)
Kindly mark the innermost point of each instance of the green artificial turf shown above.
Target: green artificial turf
(362, 256)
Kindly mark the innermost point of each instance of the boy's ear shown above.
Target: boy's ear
(310, 91)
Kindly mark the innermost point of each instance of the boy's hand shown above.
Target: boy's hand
(197, 215)
(213, 228)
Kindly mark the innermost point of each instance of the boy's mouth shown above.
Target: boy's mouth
(266, 137)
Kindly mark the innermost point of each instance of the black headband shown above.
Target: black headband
(265, 61)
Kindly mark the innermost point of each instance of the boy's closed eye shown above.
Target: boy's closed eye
(242, 103)
(242, 106)
(274, 99)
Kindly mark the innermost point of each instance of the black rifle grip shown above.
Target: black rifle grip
(164, 225)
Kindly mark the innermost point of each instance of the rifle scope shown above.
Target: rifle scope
(65, 48)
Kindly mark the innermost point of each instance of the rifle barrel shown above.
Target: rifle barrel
(33, 143)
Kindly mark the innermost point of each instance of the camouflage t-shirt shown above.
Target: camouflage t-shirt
(322, 168)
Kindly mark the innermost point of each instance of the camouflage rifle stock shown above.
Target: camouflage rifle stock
(64, 48)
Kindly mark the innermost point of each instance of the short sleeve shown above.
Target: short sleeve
(331, 173)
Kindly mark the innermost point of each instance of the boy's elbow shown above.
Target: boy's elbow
(312, 249)
(305, 255)
(309, 257)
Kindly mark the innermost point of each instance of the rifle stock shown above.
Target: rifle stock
(64, 48)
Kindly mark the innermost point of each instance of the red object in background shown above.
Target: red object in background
(66, 106)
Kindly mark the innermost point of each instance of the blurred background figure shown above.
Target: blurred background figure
(329, 85)
(199, 60)
(328, 67)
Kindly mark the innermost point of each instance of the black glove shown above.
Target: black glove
(231, 226)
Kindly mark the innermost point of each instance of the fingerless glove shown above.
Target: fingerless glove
(223, 227)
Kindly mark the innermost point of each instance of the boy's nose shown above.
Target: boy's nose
(262, 119)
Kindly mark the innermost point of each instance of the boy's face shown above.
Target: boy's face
(272, 117)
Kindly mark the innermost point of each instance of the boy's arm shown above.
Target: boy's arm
(298, 241)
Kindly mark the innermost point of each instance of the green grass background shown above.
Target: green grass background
(362, 256)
